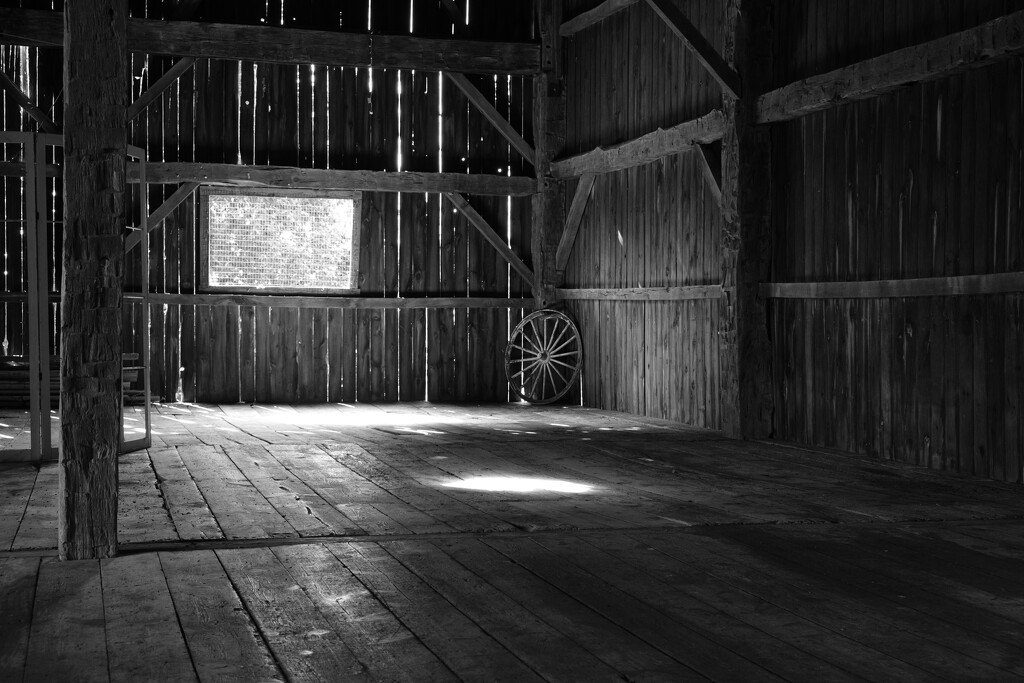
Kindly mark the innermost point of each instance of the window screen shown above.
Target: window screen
(279, 240)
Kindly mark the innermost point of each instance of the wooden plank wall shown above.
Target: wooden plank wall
(925, 181)
(656, 225)
(411, 244)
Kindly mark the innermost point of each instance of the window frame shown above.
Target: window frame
(204, 238)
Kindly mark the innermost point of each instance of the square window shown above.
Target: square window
(279, 241)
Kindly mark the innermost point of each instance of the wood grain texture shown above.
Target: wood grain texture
(644, 149)
(974, 48)
(338, 179)
(222, 640)
(573, 220)
(643, 293)
(963, 285)
(294, 46)
(143, 637)
(703, 50)
(583, 20)
(93, 257)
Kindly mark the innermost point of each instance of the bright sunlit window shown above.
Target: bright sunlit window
(279, 241)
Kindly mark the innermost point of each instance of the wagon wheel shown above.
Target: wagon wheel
(543, 357)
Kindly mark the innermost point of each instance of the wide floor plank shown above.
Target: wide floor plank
(300, 638)
(17, 598)
(388, 649)
(463, 646)
(16, 484)
(222, 638)
(143, 637)
(67, 638)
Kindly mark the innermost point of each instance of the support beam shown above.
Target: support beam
(572, 222)
(289, 45)
(163, 211)
(17, 169)
(176, 71)
(378, 181)
(46, 124)
(688, 293)
(705, 53)
(745, 376)
(711, 164)
(962, 285)
(485, 107)
(644, 149)
(549, 138)
(344, 302)
(593, 16)
(95, 145)
(485, 229)
(974, 48)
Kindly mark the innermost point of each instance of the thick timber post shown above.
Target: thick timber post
(745, 351)
(549, 137)
(95, 58)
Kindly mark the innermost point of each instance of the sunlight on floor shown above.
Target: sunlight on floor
(520, 485)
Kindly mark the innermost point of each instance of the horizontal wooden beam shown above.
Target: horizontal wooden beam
(496, 118)
(162, 212)
(644, 149)
(22, 100)
(17, 169)
(288, 45)
(318, 178)
(154, 91)
(688, 293)
(293, 301)
(593, 16)
(495, 240)
(971, 49)
(573, 220)
(962, 285)
(705, 53)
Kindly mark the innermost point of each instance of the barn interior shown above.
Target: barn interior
(537, 339)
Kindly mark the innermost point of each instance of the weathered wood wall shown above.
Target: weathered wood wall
(924, 181)
(655, 225)
(411, 244)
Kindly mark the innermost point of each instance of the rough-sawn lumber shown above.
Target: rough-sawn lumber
(971, 49)
(644, 149)
(335, 179)
(289, 45)
(95, 145)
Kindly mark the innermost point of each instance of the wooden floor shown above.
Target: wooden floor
(434, 543)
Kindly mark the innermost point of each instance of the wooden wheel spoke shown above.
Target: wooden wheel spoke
(524, 349)
(559, 362)
(526, 368)
(555, 369)
(554, 344)
(532, 343)
(563, 345)
(548, 373)
(563, 355)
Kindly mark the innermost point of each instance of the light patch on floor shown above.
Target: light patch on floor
(520, 485)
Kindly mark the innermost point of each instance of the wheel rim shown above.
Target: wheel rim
(543, 357)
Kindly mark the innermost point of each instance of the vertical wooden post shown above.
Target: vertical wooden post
(95, 138)
(549, 137)
(745, 351)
